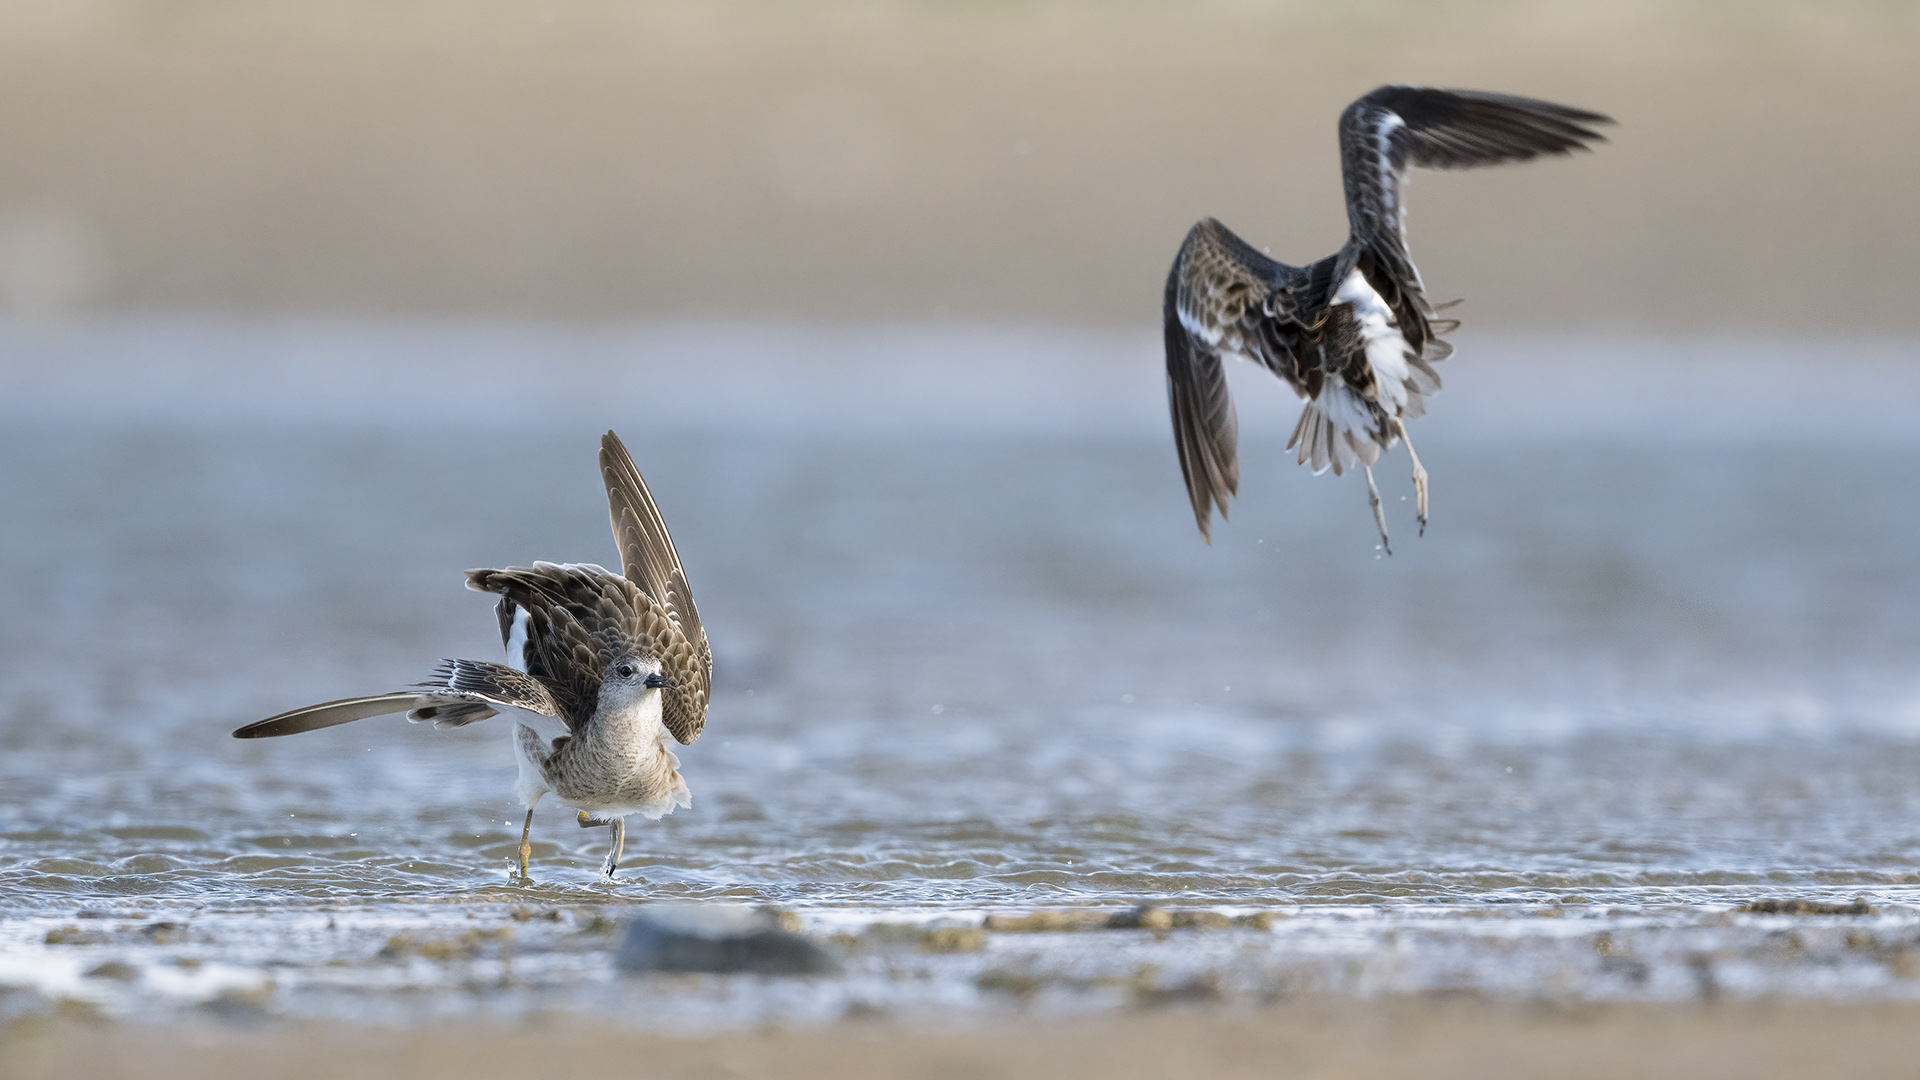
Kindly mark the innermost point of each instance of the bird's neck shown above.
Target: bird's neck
(633, 727)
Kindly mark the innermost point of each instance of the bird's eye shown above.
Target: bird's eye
(625, 671)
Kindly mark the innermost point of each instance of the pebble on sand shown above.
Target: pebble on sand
(720, 939)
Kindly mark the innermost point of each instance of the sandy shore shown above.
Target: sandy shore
(1432, 1039)
(912, 161)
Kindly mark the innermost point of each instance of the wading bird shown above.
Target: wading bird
(1354, 333)
(602, 668)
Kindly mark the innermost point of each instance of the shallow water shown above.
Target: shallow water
(1654, 658)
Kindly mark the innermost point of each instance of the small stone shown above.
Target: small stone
(718, 939)
(1805, 907)
(465, 946)
(241, 1006)
(1144, 917)
(999, 981)
(165, 933)
(782, 919)
(76, 1011)
(598, 924)
(1200, 920)
(904, 936)
(115, 970)
(956, 939)
(1203, 987)
(1045, 920)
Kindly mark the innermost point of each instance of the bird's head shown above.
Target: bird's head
(631, 678)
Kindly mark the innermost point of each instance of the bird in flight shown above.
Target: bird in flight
(602, 667)
(1354, 334)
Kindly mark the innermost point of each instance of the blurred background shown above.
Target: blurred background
(996, 160)
(305, 307)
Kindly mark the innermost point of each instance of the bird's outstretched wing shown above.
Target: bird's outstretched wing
(462, 692)
(345, 711)
(1398, 127)
(650, 562)
(1223, 299)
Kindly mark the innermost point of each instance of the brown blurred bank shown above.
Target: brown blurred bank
(992, 160)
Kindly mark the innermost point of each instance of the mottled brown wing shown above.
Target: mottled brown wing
(650, 562)
(495, 684)
(579, 619)
(1397, 127)
(1223, 299)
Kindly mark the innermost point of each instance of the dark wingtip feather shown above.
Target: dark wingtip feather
(1457, 129)
(327, 714)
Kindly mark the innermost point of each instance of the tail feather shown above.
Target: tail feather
(1339, 430)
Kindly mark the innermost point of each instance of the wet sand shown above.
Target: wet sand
(1439, 1039)
(913, 161)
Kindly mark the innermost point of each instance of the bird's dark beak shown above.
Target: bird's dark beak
(658, 681)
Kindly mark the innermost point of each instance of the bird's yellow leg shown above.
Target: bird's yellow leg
(526, 847)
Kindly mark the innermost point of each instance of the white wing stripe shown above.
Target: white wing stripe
(1386, 347)
(1390, 122)
(1193, 326)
